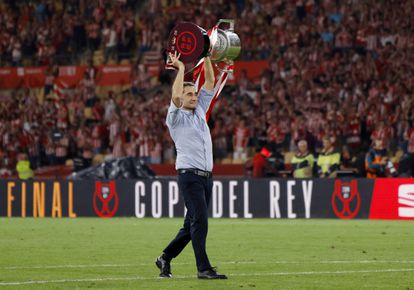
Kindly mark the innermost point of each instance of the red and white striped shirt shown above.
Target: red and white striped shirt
(96, 137)
(131, 149)
(384, 134)
(144, 147)
(114, 129)
(118, 150)
(240, 137)
(274, 134)
(156, 151)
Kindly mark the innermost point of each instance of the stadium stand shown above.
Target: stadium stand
(337, 69)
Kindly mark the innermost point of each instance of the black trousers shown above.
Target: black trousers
(196, 191)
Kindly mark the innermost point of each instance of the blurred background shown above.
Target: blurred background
(84, 81)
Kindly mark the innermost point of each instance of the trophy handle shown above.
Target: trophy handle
(229, 21)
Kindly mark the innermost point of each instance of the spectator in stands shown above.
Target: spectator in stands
(110, 107)
(245, 85)
(218, 136)
(275, 136)
(241, 136)
(410, 148)
(328, 159)
(5, 171)
(303, 161)
(16, 52)
(97, 138)
(144, 142)
(23, 167)
(140, 79)
(79, 162)
(155, 154)
(384, 133)
(51, 73)
(110, 42)
(118, 147)
(62, 149)
(93, 36)
(260, 166)
(87, 153)
(169, 150)
(50, 152)
(376, 160)
(35, 150)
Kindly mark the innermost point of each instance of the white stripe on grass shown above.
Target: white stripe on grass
(69, 266)
(103, 279)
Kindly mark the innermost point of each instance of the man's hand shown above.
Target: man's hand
(174, 60)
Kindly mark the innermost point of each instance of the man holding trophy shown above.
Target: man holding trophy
(187, 124)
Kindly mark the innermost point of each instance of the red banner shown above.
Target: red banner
(393, 198)
(71, 75)
(9, 79)
(32, 76)
(109, 75)
(112, 75)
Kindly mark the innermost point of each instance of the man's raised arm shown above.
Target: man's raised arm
(177, 89)
(208, 74)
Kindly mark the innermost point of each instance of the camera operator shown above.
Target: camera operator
(377, 163)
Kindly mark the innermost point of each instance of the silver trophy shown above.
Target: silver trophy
(227, 46)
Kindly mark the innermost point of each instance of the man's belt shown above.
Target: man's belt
(196, 172)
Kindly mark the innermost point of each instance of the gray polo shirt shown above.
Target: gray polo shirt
(191, 134)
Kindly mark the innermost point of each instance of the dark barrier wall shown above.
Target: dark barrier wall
(233, 198)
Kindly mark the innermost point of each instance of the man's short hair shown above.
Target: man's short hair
(188, 84)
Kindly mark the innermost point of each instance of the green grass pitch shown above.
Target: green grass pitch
(119, 253)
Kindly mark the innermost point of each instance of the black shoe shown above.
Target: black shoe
(164, 266)
(210, 274)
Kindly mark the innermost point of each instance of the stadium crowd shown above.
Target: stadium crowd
(340, 73)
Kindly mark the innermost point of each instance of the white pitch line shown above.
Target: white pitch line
(102, 279)
(69, 266)
(325, 272)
